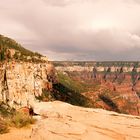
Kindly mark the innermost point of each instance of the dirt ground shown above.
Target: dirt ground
(17, 134)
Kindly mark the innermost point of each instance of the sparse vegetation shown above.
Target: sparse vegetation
(5, 110)
(46, 96)
(9, 117)
(10, 49)
(20, 119)
(69, 90)
(69, 95)
(3, 127)
(70, 83)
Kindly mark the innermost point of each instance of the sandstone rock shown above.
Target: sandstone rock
(21, 82)
(76, 123)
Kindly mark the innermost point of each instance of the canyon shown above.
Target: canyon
(112, 87)
(69, 100)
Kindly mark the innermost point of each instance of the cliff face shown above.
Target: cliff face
(22, 82)
(98, 68)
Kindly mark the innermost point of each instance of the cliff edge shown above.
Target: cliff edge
(62, 121)
(24, 75)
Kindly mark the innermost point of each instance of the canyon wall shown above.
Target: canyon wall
(22, 82)
(98, 68)
(112, 88)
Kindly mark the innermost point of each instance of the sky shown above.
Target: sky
(98, 30)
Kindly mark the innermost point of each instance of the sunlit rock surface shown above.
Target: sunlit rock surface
(62, 121)
(21, 82)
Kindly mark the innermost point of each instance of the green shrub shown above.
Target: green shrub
(70, 83)
(5, 110)
(9, 117)
(3, 127)
(19, 120)
(21, 52)
(69, 90)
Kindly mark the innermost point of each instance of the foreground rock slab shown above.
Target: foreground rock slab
(62, 121)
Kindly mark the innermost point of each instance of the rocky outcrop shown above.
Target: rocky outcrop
(62, 121)
(22, 82)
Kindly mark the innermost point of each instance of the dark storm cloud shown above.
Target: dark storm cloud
(70, 29)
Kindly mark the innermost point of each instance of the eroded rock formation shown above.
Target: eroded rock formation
(111, 88)
(22, 82)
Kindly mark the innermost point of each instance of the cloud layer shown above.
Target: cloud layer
(75, 29)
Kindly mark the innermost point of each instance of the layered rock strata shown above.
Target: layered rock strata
(22, 82)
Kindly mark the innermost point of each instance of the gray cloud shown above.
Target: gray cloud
(69, 29)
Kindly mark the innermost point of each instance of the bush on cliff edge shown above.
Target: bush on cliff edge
(20, 119)
(3, 127)
(9, 117)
